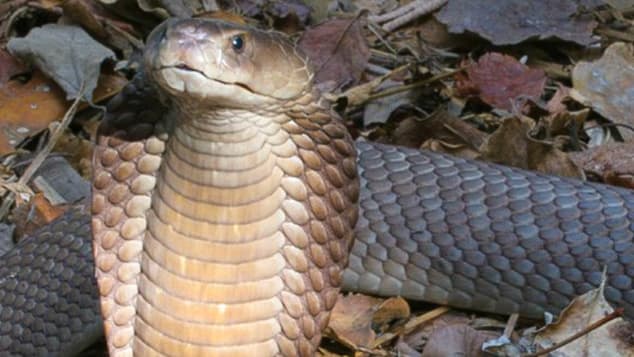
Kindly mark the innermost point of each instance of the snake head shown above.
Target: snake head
(220, 63)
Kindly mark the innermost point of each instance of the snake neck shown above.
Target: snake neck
(247, 237)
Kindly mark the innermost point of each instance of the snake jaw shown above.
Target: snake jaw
(258, 73)
(208, 91)
(185, 67)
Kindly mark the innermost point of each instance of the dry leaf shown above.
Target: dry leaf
(508, 144)
(9, 67)
(611, 163)
(439, 132)
(499, 80)
(338, 51)
(67, 54)
(581, 312)
(380, 110)
(608, 85)
(37, 213)
(456, 340)
(512, 21)
(556, 103)
(30, 107)
(351, 320)
(511, 145)
(390, 310)
(546, 157)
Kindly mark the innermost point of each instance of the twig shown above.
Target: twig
(43, 154)
(411, 325)
(400, 11)
(510, 325)
(593, 326)
(376, 33)
(407, 13)
(407, 87)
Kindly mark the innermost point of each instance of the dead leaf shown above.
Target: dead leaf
(439, 132)
(67, 54)
(456, 340)
(546, 157)
(436, 34)
(361, 93)
(379, 110)
(351, 320)
(513, 21)
(9, 67)
(390, 310)
(511, 145)
(164, 8)
(338, 51)
(374, 6)
(37, 213)
(608, 85)
(564, 122)
(556, 103)
(508, 144)
(499, 80)
(287, 16)
(101, 24)
(581, 312)
(30, 107)
(611, 163)
(78, 152)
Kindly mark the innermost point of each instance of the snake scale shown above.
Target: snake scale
(230, 206)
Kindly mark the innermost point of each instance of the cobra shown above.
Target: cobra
(230, 205)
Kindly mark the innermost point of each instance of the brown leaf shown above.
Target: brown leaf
(511, 145)
(440, 132)
(508, 144)
(287, 15)
(78, 152)
(513, 21)
(611, 163)
(338, 51)
(351, 320)
(380, 110)
(436, 34)
(456, 340)
(361, 93)
(30, 107)
(100, 23)
(499, 80)
(607, 85)
(547, 158)
(37, 213)
(581, 312)
(556, 103)
(9, 67)
(562, 122)
(390, 310)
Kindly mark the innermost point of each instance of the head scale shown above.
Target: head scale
(221, 63)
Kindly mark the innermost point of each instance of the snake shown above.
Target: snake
(230, 205)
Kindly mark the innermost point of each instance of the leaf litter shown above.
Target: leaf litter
(556, 97)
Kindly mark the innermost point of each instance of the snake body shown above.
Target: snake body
(226, 198)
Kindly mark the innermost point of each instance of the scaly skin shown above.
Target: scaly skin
(224, 230)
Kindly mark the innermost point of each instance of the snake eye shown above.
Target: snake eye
(237, 42)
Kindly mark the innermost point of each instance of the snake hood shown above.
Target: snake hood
(220, 63)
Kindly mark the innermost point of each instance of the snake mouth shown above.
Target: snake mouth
(186, 68)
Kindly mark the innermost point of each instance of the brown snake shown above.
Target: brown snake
(224, 216)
